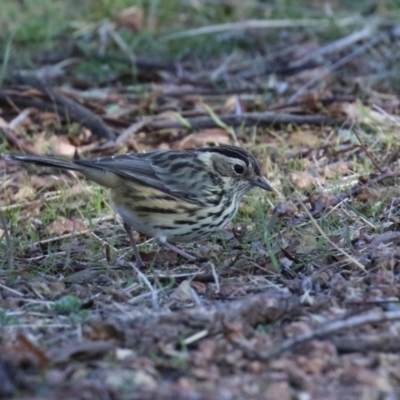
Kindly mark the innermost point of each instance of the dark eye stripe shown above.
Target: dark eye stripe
(236, 153)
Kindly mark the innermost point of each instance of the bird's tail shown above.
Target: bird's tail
(44, 161)
(89, 169)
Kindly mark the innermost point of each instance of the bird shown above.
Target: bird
(171, 195)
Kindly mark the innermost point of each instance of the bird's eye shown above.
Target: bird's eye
(239, 169)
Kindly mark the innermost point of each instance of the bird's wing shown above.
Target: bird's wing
(166, 171)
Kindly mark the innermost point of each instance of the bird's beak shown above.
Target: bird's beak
(262, 183)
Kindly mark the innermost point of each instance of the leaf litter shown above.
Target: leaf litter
(299, 297)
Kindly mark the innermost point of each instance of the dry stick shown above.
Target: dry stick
(130, 131)
(341, 197)
(56, 70)
(153, 291)
(261, 119)
(358, 51)
(19, 294)
(19, 119)
(12, 138)
(215, 276)
(323, 234)
(10, 248)
(366, 151)
(181, 92)
(81, 114)
(322, 150)
(260, 24)
(325, 102)
(394, 119)
(329, 328)
(16, 101)
(387, 342)
(337, 45)
(196, 337)
(72, 109)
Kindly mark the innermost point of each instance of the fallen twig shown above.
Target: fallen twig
(387, 342)
(327, 329)
(337, 45)
(343, 61)
(366, 151)
(10, 136)
(335, 200)
(149, 333)
(261, 119)
(259, 24)
(70, 109)
(334, 245)
(143, 277)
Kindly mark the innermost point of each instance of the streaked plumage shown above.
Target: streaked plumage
(173, 196)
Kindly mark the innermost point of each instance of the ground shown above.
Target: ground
(298, 298)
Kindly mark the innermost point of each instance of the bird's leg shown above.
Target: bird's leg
(139, 262)
(178, 251)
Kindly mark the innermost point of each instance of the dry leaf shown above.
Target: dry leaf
(24, 192)
(303, 180)
(41, 182)
(286, 209)
(366, 194)
(232, 105)
(364, 114)
(62, 146)
(183, 292)
(23, 352)
(200, 287)
(337, 169)
(50, 289)
(131, 18)
(62, 226)
(208, 137)
(303, 137)
(322, 201)
(57, 145)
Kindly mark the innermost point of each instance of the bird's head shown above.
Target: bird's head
(236, 168)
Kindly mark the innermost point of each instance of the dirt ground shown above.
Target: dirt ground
(297, 299)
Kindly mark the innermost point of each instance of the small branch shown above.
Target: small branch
(387, 342)
(337, 45)
(344, 196)
(18, 120)
(334, 245)
(69, 107)
(142, 276)
(261, 119)
(343, 61)
(327, 329)
(10, 136)
(366, 151)
(215, 276)
(259, 24)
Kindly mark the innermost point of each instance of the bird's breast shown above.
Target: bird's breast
(165, 217)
